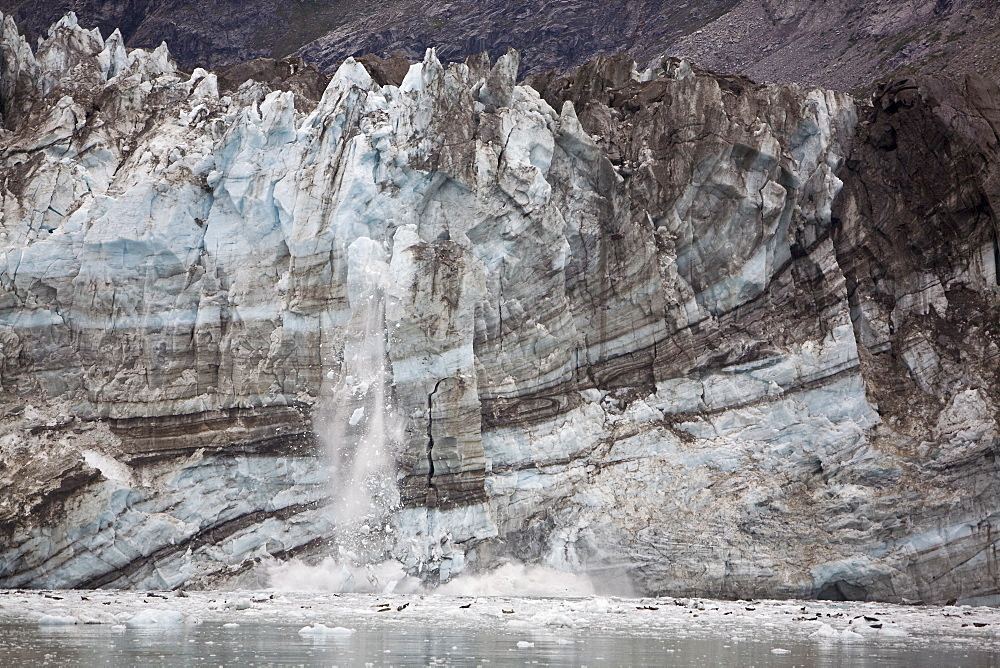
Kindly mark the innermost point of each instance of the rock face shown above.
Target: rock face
(215, 33)
(208, 33)
(847, 44)
(721, 338)
(843, 44)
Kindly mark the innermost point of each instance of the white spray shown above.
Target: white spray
(360, 431)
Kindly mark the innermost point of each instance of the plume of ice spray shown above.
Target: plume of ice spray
(360, 429)
(510, 579)
(331, 575)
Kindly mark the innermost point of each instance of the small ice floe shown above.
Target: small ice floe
(230, 625)
(153, 618)
(318, 629)
(781, 650)
(825, 632)
(847, 635)
(524, 644)
(56, 620)
(891, 632)
(98, 617)
(538, 620)
(880, 630)
(557, 619)
(602, 605)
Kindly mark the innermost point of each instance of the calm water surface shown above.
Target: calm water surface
(212, 644)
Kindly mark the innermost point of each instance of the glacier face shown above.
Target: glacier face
(622, 317)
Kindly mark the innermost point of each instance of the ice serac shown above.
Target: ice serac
(660, 325)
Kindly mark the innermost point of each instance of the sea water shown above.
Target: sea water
(212, 644)
(286, 628)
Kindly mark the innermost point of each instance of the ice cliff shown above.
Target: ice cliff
(711, 337)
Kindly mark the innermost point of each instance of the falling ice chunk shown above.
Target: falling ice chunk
(356, 416)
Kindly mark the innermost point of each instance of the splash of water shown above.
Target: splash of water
(510, 579)
(333, 576)
(517, 579)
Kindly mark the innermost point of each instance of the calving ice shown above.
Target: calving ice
(658, 326)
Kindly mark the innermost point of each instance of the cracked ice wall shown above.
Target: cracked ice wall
(622, 328)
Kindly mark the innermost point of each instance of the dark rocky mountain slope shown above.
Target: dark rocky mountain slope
(843, 44)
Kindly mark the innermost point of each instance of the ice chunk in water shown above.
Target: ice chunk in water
(56, 620)
(825, 631)
(155, 618)
(318, 629)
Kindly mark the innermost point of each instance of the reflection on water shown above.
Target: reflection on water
(212, 644)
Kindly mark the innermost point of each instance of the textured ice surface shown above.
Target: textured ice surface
(617, 336)
(57, 620)
(318, 629)
(155, 618)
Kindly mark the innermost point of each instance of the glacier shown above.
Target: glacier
(635, 325)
